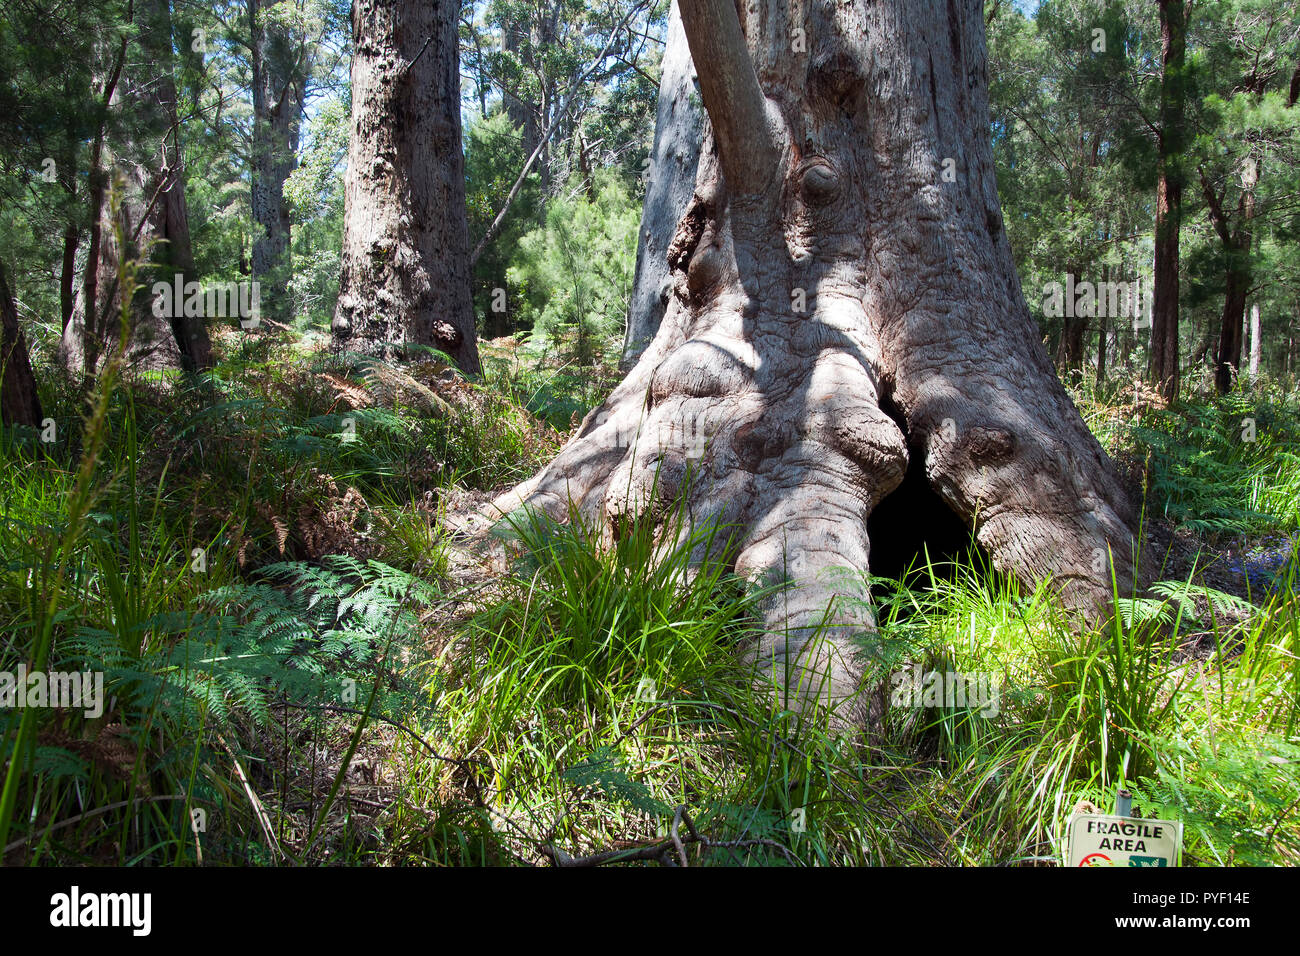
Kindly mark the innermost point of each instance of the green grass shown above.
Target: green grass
(585, 763)
(597, 696)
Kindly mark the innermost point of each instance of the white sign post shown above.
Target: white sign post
(1099, 840)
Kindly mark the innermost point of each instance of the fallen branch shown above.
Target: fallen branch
(660, 849)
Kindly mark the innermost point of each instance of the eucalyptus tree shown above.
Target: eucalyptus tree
(845, 316)
(405, 260)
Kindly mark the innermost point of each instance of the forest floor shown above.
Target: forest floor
(307, 664)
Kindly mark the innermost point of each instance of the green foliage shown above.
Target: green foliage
(314, 193)
(1177, 599)
(1236, 798)
(575, 272)
(605, 770)
(494, 156)
(121, 586)
(594, 621)
(579, 702)
(1079, 713)
(561, 393)
(1225, 467)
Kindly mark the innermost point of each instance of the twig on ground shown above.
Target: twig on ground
(464, 765)
(659, 849)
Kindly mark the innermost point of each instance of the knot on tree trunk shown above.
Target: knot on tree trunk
(990, 444)
(447, 335)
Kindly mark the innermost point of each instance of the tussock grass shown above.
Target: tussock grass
(313, 691)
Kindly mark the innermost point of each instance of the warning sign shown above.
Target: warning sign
(1097, 840)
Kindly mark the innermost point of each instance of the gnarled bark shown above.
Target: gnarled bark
(839, 309)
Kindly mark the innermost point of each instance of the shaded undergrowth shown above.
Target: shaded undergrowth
(254, 563)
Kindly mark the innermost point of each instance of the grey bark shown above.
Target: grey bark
(169, 223)
(405, 258)
(821, 186)
(279, 88)
(1256, 330)
(670, 185)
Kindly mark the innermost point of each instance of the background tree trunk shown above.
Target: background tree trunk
(1069, 349)
(839, 309)
(1227, 357)
(1102, 333)
(1256, 330)
(1238, 274)
(169, 223)
(279, 87)
(19, 402)
(78, 347)
(1165, 367)
(670, 184)
(153, 218)
(405, 258)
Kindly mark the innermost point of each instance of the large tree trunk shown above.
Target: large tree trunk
(670, 183)
(839, 309)
(1165, 368)
(406, 267)
(19, 402)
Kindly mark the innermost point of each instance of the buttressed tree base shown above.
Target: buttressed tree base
(844, 302)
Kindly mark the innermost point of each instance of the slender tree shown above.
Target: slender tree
(1171, 143)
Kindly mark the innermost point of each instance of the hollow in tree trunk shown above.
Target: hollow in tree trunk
(844, 303)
